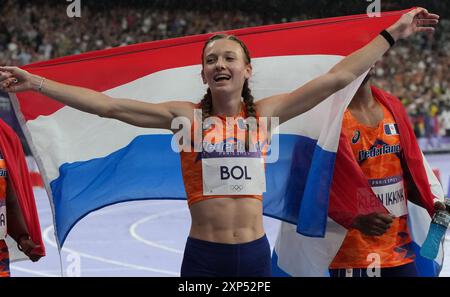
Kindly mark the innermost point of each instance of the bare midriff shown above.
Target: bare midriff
(227, 220)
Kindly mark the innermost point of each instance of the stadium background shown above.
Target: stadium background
(415, 70)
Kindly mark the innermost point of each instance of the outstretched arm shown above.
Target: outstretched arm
(138, 113)
(287, 106)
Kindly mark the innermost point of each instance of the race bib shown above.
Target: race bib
(2, 219)
(233, 175)
(391, 193)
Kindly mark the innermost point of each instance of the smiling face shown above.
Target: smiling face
(225, 66)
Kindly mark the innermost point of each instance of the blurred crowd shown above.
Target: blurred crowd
(416, 71)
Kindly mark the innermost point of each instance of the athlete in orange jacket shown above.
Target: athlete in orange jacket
(375, 142)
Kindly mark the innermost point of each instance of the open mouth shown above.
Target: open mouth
(221, 77)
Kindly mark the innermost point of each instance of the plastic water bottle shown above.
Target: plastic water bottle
(438, 227)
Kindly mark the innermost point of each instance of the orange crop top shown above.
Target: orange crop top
(234, 172)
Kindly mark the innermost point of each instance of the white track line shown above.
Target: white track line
(33, 271)
(153, 217)
(100, 259)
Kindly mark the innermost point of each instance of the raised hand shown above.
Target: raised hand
(417, 20)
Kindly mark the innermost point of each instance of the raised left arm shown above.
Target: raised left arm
(287, 106)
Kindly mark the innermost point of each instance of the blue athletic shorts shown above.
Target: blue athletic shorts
(210, 259)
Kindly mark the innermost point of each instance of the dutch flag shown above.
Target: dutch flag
(88, 162)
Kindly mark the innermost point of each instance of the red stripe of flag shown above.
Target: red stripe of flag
(105, 69)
